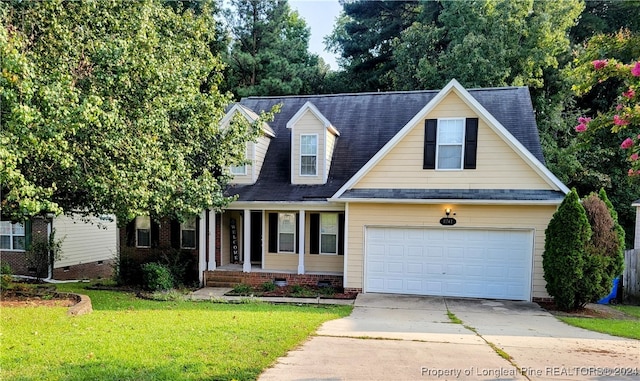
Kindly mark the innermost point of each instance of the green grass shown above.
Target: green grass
(126, 338)
(629, 310)
(616, 327)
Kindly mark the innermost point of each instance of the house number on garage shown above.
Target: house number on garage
(447, 221)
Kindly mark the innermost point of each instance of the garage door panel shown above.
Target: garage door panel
(449, 262)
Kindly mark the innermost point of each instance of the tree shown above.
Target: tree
(606, 17)
(112, 107)
(269, 51)
(563, 261)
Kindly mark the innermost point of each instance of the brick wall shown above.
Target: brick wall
(258, 278)
(94, 270)
(18, 259)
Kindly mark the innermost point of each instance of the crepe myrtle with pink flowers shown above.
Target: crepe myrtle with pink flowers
(625, 116)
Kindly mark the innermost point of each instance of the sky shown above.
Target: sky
(320, 16)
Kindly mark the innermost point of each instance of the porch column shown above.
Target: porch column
(212, 241)
(246, 241)
(301, 244)
(202, 246)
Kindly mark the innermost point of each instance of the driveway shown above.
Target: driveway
(394, 337)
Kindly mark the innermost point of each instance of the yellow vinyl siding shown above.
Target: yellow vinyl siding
(323, 263)
(498, 165)
(248, 177)
(331, 143)
(282, 262)
(260, 151)
(85, 242)
(308, 124)
(362, 215)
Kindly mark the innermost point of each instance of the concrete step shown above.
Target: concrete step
(221, 284)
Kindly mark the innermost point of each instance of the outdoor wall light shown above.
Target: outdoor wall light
(447, 211)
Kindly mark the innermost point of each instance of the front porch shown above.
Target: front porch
(233, 274)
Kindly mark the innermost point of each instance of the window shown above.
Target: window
(188, 234)
(239, 170)
(450, 141)
(286, 232)
(143, 231)
(329, 233)
(12, 236)
(308, 155)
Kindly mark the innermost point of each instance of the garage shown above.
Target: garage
(494, 264)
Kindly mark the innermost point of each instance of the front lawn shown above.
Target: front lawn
(629, 328)
(126, 338)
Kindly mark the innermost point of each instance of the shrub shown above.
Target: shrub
(242, 289)
(563, 259)
(268, 286)
(157, 277)
(5, 276)
(43, 252)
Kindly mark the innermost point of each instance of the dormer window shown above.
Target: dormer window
(239, 170)
(308, 155)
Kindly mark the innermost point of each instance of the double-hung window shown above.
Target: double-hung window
(308, 155)
(188, 234)
(450, 142)
(238, 170)
(143, 231)
(286, 232)
(12, 236)
(329, 233)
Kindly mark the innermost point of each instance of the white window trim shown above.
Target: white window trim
(11, 235)
(238, 173)
(307, 155)
(136, 230)
(294, 235)
(336, 235)
(195, 229)
(461, 144)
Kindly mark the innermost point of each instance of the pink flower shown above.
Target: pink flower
(599, 64)
(581, 127)
(634, 157)
(630, 172)
(629, 94)
(618, 121)
(619, 107)
(636, 70)
(627, 143)
(583, 120)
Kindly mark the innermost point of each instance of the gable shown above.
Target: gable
(498, 166)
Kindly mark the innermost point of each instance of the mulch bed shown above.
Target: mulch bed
(35, 301)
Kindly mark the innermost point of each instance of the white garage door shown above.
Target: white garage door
(493, 264)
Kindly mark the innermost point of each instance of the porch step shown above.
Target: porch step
(222, 280)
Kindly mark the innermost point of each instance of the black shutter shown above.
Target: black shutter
(430, 129)
(131, 233)
(28, 227)
(197, 243)
(471, 143)
(273, 232)
(155, 234)
(175, 234)
(314, 233)
(340, 234)
(297, 231)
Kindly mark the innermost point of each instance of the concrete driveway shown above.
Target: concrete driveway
(393, 337)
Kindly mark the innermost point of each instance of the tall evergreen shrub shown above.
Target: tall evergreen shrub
(616, 265)
(563, 260)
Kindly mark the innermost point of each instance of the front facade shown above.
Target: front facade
(426, 193)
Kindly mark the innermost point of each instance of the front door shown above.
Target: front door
(256, 237)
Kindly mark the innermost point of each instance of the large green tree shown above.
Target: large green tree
(112, 107)
(269, 50)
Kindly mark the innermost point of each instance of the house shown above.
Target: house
(88, 246)
(423, 192)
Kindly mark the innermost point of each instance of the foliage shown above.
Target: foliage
(242, 289)
(268, 54)
(113, 107)
(606, 17)
(609, 70)
(5, 275)
(127, 338)
(268, 286)
(563, 260)
(156, 277)
(43, 252)
(181, 264)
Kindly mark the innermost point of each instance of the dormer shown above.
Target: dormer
(313, 139)
(254, 152)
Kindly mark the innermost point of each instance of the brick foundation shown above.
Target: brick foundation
(258, 278)
(93, 270)
(542, 300)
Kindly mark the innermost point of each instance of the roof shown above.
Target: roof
(367, 121)
(538, 195)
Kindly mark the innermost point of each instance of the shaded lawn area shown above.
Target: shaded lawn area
(126, 338)
(629, 328)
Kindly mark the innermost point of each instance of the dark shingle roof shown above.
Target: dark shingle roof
(457, 194)
(366, 121)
